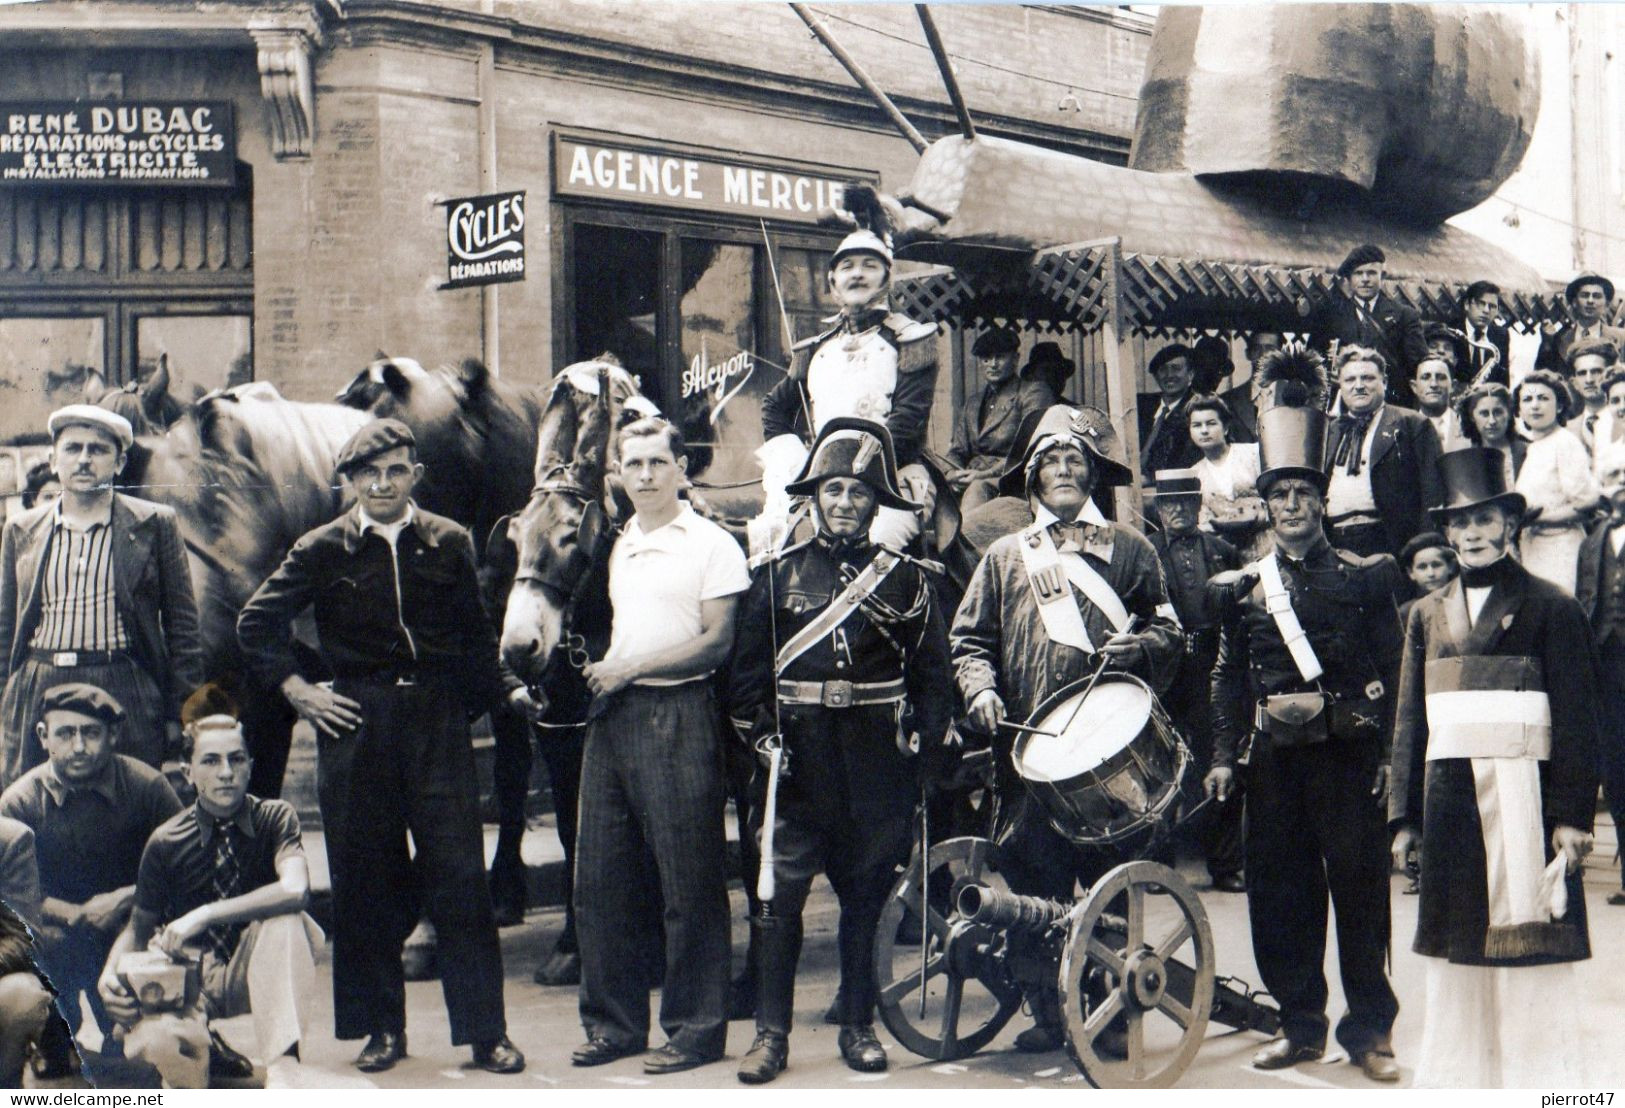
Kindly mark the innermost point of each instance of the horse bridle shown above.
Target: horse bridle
(560, 581)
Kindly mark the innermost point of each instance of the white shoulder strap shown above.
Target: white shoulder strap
(1278, 602)
(1048, 573)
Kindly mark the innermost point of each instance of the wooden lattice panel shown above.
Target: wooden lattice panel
(1073, 278)
(936, 295)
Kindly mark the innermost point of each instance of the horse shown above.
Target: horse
(247, 472)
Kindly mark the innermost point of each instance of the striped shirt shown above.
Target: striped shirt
(77, 608)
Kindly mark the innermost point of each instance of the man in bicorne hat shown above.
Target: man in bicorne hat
(1590, 298)
(1045, 607)
(1308, 654)
(841, 652)
(1189, 558)
(1361, 314)
(1495, 777)
(872, 363)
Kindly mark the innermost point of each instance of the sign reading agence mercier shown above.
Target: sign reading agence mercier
(632, 172)
(118, 142)
(485, 240)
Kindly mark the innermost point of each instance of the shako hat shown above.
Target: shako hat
(1472, 476)
(851, 447)
(1291, 443)
(1089, 429)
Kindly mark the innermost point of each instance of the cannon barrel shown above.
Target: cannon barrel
(1009, 911)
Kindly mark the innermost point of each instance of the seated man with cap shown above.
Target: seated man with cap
(95, 588)
(1495, 780)
(988, 422)
(225, 883)
(91, 811)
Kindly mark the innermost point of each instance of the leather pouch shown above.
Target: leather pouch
(1293, 719)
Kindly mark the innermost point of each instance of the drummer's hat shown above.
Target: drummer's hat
(1089, 429)
(858, 448)
(1291, 443)
(1177, 482)
(1476, 475)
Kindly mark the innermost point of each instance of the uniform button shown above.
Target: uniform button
(840, 664)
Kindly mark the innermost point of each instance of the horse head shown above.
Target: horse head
(566, 526)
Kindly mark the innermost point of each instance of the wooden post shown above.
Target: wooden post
(1121, 385)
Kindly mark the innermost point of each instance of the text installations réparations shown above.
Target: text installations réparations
(118, 142)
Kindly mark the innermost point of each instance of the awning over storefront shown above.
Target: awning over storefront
(1191, 255)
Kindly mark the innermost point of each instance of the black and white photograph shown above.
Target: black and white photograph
(585, 546)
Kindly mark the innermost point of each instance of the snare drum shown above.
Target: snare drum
(1110, 765)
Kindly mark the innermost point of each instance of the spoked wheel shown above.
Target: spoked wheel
(1140, 965)
(968, 993)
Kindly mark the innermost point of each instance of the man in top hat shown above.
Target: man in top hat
(1489, 342)
(841, 652)
(1308, 656)
(872, 363)
(1165, 438)
(91, 811)
(397, 608)
(1590, 298)
(988, 422)
(224, 881)
(95, 588)
(1600, 590)
(1046, 607)
(1360, 313)
(1495, 776)
(1189, 558)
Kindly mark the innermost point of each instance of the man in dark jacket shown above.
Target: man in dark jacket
(1165, 437)
(839, 643)
(1489, 342)
(1600, 590)
(1590, 298)
(397, 607)
(1361, 314)
(988, 422)
(1383, 461)
(1495, 775)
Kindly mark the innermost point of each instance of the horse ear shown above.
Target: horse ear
(394, 380)
(473, 375)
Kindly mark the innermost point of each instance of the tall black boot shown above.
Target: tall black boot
(778, 949)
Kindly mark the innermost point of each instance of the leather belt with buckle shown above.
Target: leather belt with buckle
(840, 694)
(67, 659)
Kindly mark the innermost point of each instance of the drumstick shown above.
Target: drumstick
(1029, 730)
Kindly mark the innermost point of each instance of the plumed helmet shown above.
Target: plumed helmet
(862, 209)
(851, 447)
(1089, 429)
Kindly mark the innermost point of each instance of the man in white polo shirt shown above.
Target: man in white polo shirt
(651, 776)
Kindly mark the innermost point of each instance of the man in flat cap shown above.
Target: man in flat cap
(988, 422)
(398, 611)
(91, 811)
(1360, 313)
(95, 588)
(1590, 298)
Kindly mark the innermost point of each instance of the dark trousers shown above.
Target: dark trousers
(1314, 828)
(1217, 830)
(1611, 747)
(561, 752)
(408, 768)
(651, 819)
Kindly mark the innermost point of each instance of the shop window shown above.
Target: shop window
(719, 403)
(617, 299)
(46, 362)
(206, 352)
(803, 275)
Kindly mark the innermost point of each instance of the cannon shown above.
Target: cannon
(1133, 959)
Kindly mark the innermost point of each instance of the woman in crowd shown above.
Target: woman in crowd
(1231, 506)
(1486, 420)
(1556, 479)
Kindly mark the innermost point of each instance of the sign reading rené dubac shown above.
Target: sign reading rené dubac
(485, 239)
(118, 142)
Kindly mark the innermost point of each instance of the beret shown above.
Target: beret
(377, 437)
(1364, 254)
(1167, 354)
(1000, 340)
(87, 700)
(91, 415)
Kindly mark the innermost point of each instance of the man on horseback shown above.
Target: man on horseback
(841, 652)
(872, 363)
(1047, 606)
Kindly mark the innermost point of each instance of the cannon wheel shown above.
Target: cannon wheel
(955, 1024)
(1168, 974)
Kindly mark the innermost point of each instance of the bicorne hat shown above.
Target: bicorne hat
(1472, 476)
(857, 448)
(1089, 429)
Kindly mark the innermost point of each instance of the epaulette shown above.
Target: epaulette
(906, 329)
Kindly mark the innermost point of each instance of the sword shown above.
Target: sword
(925, 889)
(773, 745)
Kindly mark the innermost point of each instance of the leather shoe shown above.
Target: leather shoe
(225, 1064)
(1378, 1066)
(598, 1051)
(382, 1051)
(1617, 898)
(674, 1059)
(498, 1056)
(766, 1058)
(1230, 883)
(1040, 1038)
(861, 1049)
(1283, 1053)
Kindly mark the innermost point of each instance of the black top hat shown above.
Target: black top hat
(852, 447)
(1472, 476)
(1177, 482)
(1089, 429)
(1590, 279)
(1291, 443)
